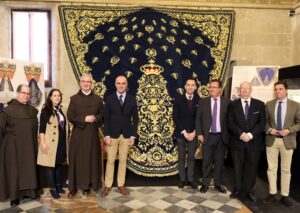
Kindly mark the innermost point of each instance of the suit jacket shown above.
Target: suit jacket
(291, 122)
(204, 118)
(237, 124)
(120, 119)
(183, 118)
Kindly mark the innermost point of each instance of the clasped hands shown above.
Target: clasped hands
(282, 133)
(246, 137)
(90, 118)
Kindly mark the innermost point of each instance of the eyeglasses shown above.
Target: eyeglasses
(89, 82)
(25, 93)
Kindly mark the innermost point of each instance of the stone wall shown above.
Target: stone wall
(265, 34)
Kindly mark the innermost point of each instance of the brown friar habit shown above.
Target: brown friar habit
(18, 151)
(84, 152)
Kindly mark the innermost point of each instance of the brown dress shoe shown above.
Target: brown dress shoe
(123, 190)
(72, 193)
(105, 191)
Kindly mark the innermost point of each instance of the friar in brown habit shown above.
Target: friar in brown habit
(18, 148)
(85, 113)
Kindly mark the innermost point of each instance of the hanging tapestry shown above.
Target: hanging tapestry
(157, 49)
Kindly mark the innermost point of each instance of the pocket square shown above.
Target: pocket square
(257, 112)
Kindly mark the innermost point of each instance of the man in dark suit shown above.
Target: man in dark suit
(120, 130)
(246, 122)
(184, 114)
(283, 123)
(211, 131)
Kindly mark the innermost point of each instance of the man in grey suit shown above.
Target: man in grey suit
(283, 122)
(211, 130)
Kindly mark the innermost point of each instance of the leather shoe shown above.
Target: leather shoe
(15, 202)
(286, 201)
(193, 185)
(181, 184)
(123, 190)
(235, 194)
(251, 197)
(60, 190)
(105, 191)
(269, 198)
(221, 188)
(203, 188)
(54, 194)
(86, 192)
(72, 193)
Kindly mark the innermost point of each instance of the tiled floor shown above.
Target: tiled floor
(141, 200)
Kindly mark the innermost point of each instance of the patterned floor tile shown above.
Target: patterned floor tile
(29, 205)
(175, 209)
(161, 204)
(202, 209)
(169, 190)
(135, 204)
(228, 209)
(212, 204)
(168, 199)
(172, 199)
(196, 199)
(148, 209)
(186, 204)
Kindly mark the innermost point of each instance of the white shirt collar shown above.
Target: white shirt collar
(86, 93)
(187, 96)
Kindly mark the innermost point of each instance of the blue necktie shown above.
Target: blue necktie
(279, 121)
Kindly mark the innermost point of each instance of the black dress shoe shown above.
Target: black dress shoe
(15, 202)
(203, 188)
(60, 190)
(54, 194)
(235, 194)
(193, 185)
(181, 184)
(221, 188)
(286, 201)
(269, 198)
(251, 197)
(86, 192)
(72, 193)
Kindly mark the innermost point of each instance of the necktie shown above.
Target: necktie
(279, 121)
(246, 109)
(190, 103)
(121, 100)
(214, 117)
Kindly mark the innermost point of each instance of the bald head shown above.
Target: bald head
(121, 84)
(245, 90)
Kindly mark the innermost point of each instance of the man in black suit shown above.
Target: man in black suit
(120, 130)
(246, 123)
(184, 114)
(211, 131)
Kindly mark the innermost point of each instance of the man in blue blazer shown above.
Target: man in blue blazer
(246, 124)
(184, 115)
(120, 130)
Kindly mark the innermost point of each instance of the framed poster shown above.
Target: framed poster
(14, 72)
(261, 78)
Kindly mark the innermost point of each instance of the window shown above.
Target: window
(31, 38)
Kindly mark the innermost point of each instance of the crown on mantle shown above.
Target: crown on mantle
(151, 68)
